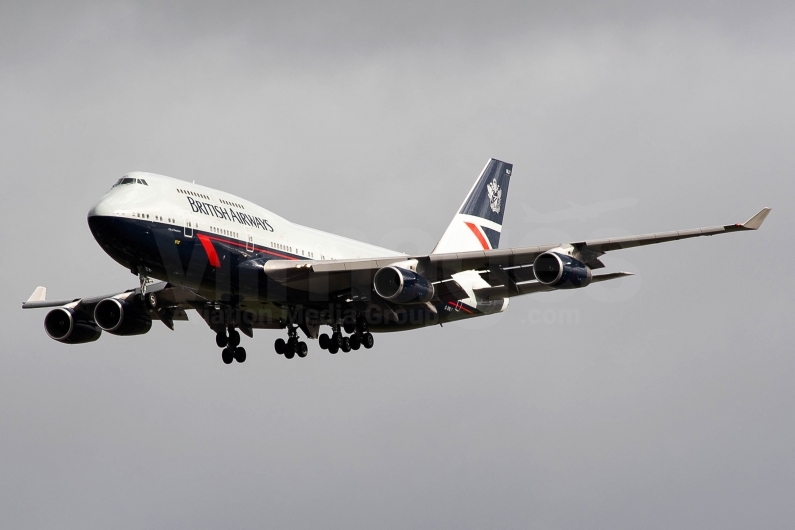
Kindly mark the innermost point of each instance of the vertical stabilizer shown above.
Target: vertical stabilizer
(478, 223)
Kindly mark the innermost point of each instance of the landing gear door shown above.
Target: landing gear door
(249, 241)
(188, 226)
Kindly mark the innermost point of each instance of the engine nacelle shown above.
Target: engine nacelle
(63, 325)
(402, 286)
(561, 271)
(121, 317)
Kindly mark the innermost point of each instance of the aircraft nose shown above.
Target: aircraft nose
(111, 204)
(101, 209)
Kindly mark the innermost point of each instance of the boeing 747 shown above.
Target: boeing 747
(242, 267)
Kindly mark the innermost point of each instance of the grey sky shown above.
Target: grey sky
(660, 401)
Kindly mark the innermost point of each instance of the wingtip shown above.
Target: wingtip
(39, 295)
(756, 221)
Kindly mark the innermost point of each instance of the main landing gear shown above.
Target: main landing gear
(230, 342)
(292, 346)
(359, 337)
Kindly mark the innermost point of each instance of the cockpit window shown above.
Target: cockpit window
(129, 180)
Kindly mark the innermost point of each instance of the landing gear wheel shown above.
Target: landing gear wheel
(279, 346)
(151, 300)
(227, 356)
(361, 324)
(346, 345)
(289, 350)
(367, 340)
(220, 339)
(323, 341)
(355, 342)
(336, 339)
(349, 327)
(333, 348)
(234, 338)
(302, 349)
(240, 354)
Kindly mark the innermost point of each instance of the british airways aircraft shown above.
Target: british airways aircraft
(242, 267)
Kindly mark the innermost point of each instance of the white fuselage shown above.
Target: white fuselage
(190, 207)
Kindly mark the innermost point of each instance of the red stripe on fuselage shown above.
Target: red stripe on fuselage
(212, 255)
(256, 249)
(476, 231)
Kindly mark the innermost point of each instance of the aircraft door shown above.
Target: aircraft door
(249, 240)
(188, 226)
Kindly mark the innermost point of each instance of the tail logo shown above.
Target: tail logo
(495, 196)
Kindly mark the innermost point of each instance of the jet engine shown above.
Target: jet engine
(402, 286)
(561, 271)
(63, 325)
(121, 317)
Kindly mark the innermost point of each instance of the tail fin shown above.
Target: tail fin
(478, 223)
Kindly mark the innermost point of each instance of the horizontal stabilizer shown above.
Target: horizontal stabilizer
(610, 276)
(505, 291)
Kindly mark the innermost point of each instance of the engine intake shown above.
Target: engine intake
(402, 286)
(561, 271)
(63, 325)
(121, 317)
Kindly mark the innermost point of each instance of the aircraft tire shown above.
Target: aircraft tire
(227, 356)
(333, 348)
(349, 327)
(240, 354)
(355, 342)
(323, 341)
(289, 349)
(346, 345)
(336, 338)
(367, 340)
(220, 340)
(279, 346)
(302, 349)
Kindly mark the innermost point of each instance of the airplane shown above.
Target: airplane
(242, 267)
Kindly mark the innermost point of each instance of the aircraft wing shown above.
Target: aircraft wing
(330, 276)
(173, 300)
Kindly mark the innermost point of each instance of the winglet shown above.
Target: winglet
(756, 221)
(39, 295)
